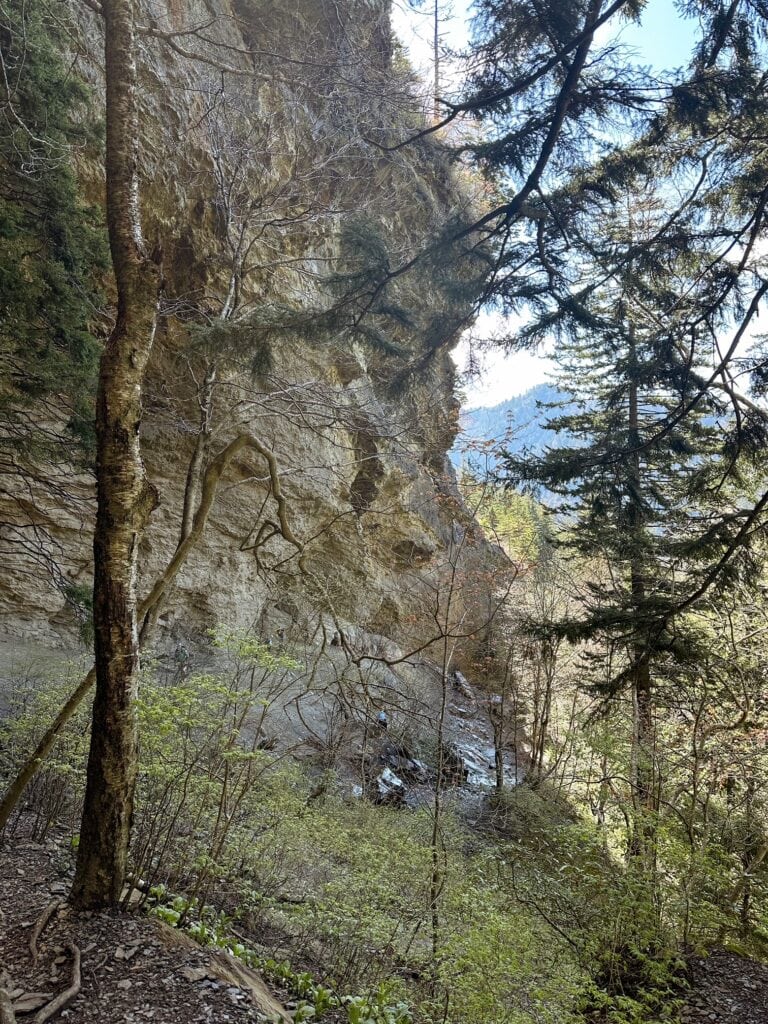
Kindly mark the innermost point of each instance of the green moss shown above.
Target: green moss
(53, 248)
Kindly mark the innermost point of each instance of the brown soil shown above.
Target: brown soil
(134, 969)
(727, 989)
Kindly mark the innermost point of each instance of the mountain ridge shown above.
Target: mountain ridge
(517, 421)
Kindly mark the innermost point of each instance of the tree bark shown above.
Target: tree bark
(196, 463)
(124, 497)
(643, 775)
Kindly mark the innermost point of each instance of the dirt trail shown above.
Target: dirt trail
(134, 970)
(727, 989)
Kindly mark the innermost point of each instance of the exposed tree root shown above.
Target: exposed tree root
(64, 998)
(40, 925)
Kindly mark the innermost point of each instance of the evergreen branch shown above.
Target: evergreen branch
(479, 103)
(713, 574)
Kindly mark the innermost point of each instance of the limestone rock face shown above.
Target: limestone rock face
(265, 182)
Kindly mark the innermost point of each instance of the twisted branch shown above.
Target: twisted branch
(209, 487)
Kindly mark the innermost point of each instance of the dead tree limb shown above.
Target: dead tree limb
(24, 776)
(208, 490)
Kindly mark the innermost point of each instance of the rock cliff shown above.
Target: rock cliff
(280, 211)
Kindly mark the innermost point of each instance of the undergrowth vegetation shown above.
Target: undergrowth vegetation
(540, 918)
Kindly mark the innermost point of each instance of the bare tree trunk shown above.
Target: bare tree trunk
(194, 481)
(643, 782)
(749, 859)
(437, 874)
(498, 716)
(497, 721)
(200, 452)
(542, 708)
(124, 497)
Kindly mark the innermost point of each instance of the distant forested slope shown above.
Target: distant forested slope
(518, 422)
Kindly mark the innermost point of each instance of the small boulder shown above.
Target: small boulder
(390, 789)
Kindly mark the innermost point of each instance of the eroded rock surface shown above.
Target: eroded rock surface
(358, 421)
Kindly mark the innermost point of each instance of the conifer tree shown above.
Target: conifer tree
(654, 319)
(639, 487)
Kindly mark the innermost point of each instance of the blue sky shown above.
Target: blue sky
(663, 41)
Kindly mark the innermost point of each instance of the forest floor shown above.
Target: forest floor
(727, 989)
(136, 970)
